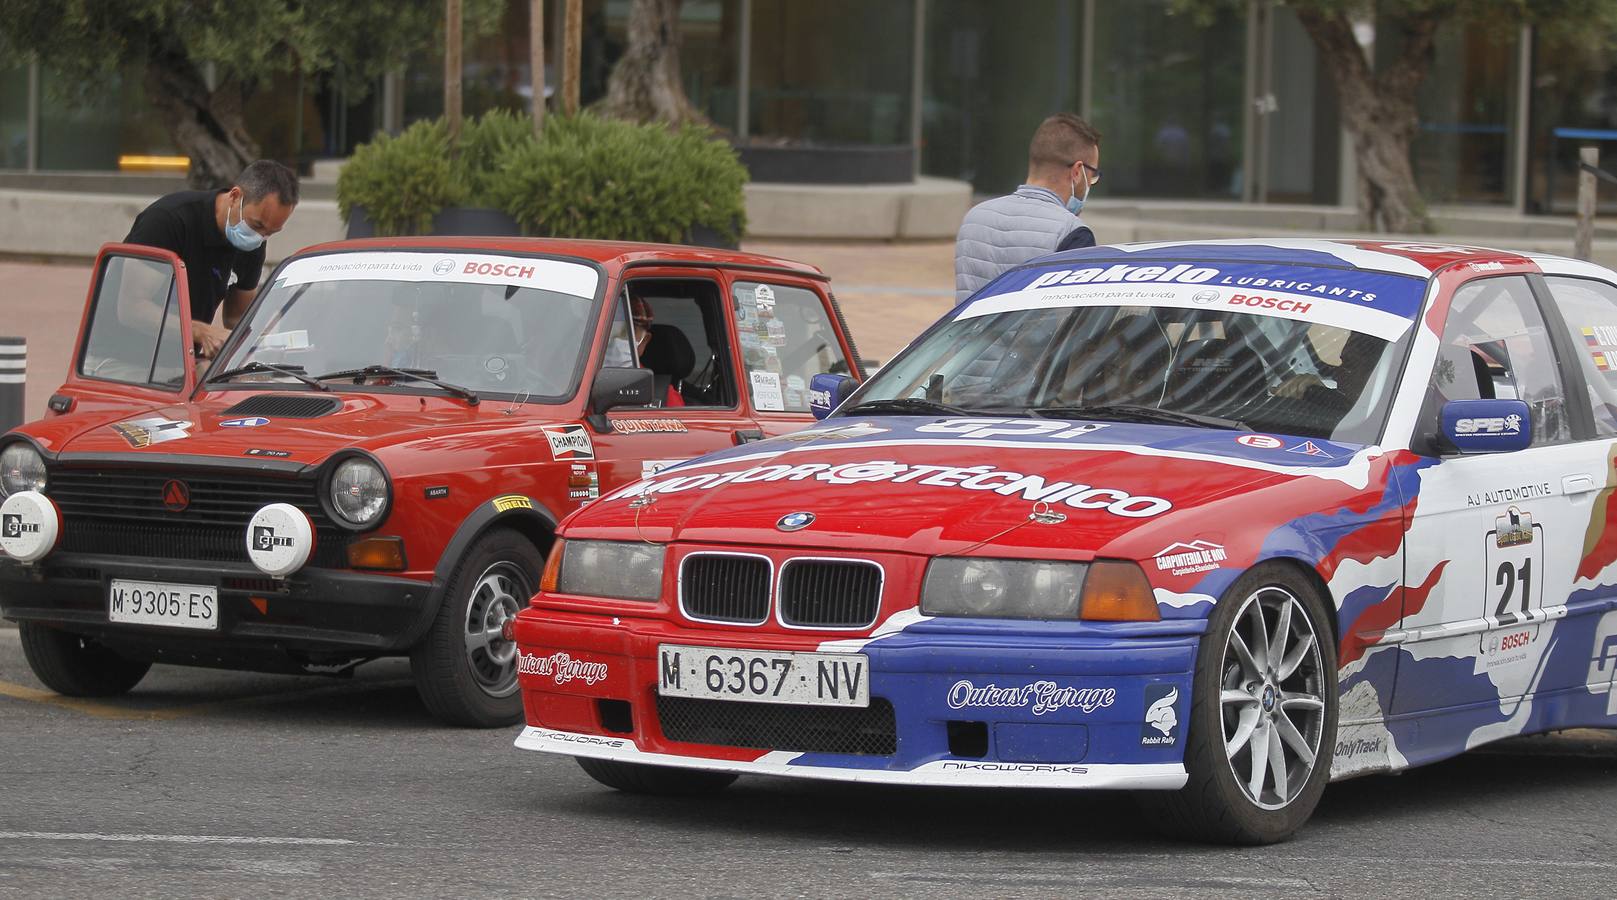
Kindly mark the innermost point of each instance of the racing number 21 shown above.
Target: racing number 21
(1508, 576)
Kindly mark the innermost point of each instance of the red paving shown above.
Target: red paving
(889, 293)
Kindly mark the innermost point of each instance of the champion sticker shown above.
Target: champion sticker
(569, 443)
(143, 433)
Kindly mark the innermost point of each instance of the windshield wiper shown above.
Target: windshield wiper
(256, 367)
(427, 375)
(1129, 413)
(906, 406)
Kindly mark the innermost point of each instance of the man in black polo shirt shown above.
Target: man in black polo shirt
(220, 236)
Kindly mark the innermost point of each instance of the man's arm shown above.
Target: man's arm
(236, 304)
(1076, 239)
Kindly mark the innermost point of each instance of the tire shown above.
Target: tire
(665, 781)
(1218, 804)
(464, 670)
(76, 666)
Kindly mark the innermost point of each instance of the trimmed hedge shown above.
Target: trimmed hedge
(586, 177)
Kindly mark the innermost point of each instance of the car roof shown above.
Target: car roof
(1418, 259)
(609, 254)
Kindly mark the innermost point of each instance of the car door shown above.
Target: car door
(686, 305)
(1494, 538)
(135, 338)
(787, 334)
(1587, 310)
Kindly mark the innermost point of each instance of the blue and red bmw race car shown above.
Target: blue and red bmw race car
(1215, 521)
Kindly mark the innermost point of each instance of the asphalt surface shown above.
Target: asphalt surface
(220, 784)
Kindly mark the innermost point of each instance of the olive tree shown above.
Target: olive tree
(1379, 92)
(645, 83)
(199, 59)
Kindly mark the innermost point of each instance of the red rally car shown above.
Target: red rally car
(376, 462)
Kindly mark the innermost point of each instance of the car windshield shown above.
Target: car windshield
(497, 325)
(1212, 353)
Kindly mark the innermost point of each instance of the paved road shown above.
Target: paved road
(235, 785)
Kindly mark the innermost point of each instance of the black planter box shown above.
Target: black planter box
(829, 163)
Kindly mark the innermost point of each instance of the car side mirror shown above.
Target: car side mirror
(1487, 426)
(616, 387)
(826, 392)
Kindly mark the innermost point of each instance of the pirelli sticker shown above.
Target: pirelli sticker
(510, 502)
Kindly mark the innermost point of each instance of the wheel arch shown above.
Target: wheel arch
(518, 512)
(1306, 571)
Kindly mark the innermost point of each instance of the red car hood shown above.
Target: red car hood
(872, 496)
(372, 422)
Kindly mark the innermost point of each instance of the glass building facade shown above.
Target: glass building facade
(1237, 109)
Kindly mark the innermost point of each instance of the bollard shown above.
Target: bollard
(1584, 235)
(13, 372)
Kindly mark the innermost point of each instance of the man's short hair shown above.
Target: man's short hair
(1059, 141)
(266, 176)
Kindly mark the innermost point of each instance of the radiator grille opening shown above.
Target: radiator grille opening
(723, 587)
(830, 593)
(871, 731)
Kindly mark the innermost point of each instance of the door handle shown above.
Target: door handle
(748, 435)
(1577, 484)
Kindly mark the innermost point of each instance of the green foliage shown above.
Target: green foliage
(354, 41)
(593, 177)
(401, 181)
(587, 177)
(484, 144)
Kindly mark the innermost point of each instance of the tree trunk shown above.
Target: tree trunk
(1380, 112)
(208, 126)
(645, 85)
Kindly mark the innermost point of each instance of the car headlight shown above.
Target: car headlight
(1002, 588)
(21, 469)
(359, 492)
(621, 570)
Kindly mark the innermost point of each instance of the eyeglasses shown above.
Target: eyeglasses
(1094, 173)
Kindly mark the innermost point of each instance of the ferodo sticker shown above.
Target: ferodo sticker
(512, 501)
(280, 539)
(29, 525)
(570, 443)
(142, 433)
(1004, 482)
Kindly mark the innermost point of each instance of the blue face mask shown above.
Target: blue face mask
(1074, 202)
(241, 235)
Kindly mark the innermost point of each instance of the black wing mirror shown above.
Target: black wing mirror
(616, 387)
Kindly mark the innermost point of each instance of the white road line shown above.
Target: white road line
(166, 838)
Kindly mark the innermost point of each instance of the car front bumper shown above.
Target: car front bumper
(938, 732)
(316, 614)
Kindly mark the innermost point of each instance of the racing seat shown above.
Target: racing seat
(1127, 365)
(670, 358)
(1215, 375)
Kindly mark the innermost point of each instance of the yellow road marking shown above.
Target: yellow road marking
(81, 705)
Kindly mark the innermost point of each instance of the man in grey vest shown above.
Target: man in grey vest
(1063, 164)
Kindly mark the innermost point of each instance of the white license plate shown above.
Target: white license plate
(714, 673)
(174, 605)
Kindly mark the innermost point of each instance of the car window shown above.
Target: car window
(786, 339)
(1495, 346)
(135, 334)
(1589, 309)
(678, 332)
